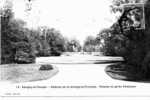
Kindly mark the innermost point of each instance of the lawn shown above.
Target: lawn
(25, 72)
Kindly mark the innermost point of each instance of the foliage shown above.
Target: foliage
(119, 37)
(112, 41)
(14, 40)
(115, 7)
(56, 41)
(91, 44)
(134, 42)
(47, 41)
(21, 45)
(104, 40)
(73, 45)
(46, 67)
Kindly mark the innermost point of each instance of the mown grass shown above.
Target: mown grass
(25, 72)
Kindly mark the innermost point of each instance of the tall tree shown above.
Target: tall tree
(135, 41)
(15, 44)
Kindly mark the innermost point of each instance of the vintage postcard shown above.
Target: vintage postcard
(75, 48)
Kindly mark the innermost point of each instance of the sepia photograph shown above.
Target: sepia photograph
(75, 48)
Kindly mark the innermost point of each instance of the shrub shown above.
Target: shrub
(46, 67)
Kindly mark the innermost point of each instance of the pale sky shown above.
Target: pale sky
(73, 18)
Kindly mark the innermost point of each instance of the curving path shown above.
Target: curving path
(79, 76)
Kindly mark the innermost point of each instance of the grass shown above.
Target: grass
(25, 73)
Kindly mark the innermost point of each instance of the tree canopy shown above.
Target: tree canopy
(21, 44)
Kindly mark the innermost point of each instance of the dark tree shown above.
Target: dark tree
(136, 44)
(15, 45)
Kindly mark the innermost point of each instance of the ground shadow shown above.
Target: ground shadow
(125, 73)
(105, 61)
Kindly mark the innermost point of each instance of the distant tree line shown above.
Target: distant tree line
(91, 44)
(73, 45)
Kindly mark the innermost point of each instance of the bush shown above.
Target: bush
(46, 67)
